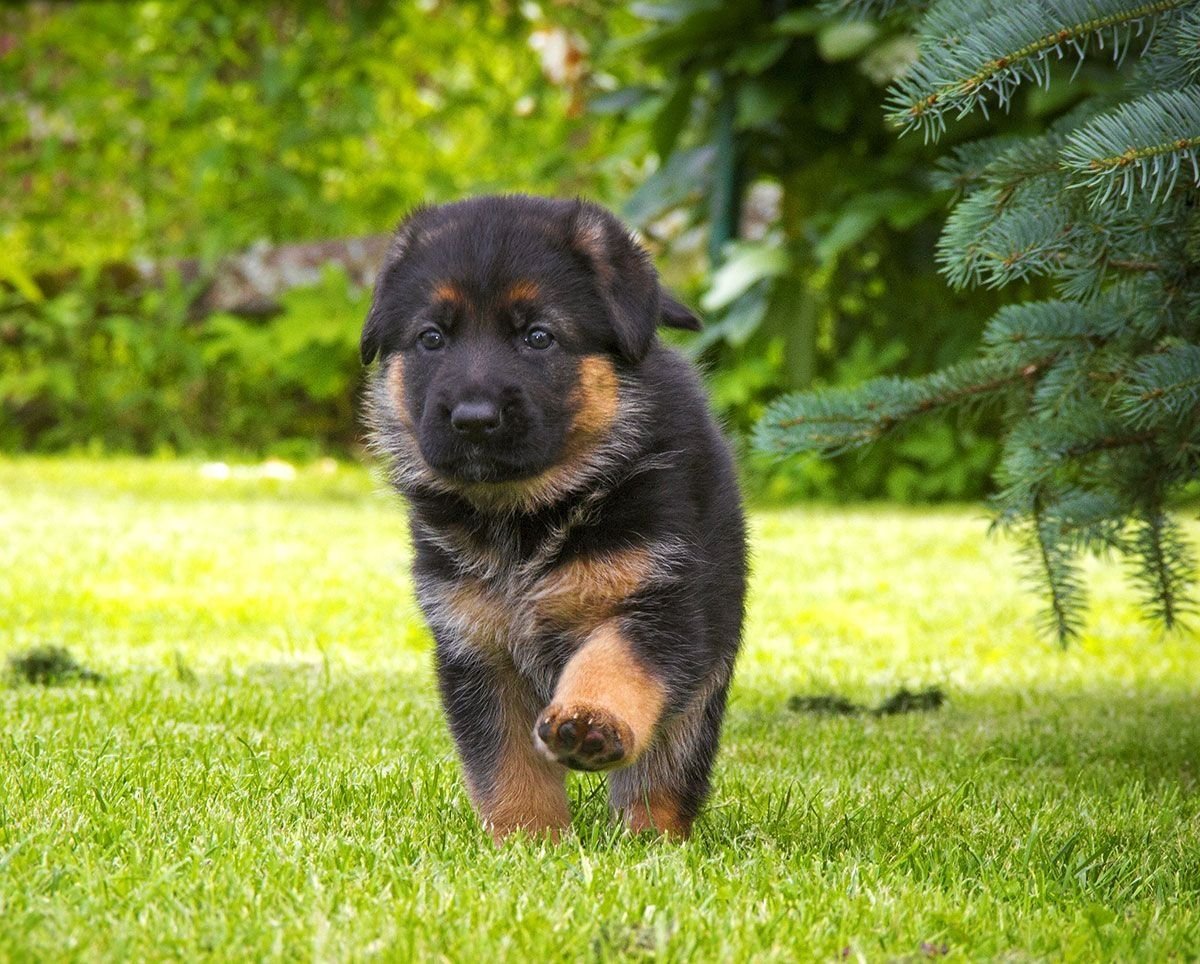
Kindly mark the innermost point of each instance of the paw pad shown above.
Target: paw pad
(582, 738)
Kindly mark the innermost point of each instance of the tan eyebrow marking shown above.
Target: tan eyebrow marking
(522, 291)
(448, 291)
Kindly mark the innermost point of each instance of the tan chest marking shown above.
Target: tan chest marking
(481, 615)
(576, 596)
(586, 591)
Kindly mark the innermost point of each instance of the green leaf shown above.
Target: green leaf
(754, 58)
(741, 321)
(684, 174)
(857, 218)
(621, 100)
(800, 23)
(845, 40)
(745, 264)
(833, 108)
(709, 23)
(759, 104)
(673, 115)
(664, 12)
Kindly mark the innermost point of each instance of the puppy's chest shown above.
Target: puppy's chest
(515, 607)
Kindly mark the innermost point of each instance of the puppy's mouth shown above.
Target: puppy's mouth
(474, 466)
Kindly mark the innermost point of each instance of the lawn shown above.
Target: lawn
(264, 772)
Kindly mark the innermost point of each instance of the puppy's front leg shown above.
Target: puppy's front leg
(491, 712)
(605, 706)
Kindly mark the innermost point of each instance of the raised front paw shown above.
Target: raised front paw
(582, 737)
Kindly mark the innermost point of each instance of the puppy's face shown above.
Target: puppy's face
(501, 324)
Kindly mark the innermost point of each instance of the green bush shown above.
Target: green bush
(173, 129)
(91, 367)
(198, 128)
(206, 127)
(820, 228)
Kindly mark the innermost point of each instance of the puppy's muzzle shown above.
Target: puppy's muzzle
(476, 420)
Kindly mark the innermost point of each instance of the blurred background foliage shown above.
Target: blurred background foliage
(143, 144)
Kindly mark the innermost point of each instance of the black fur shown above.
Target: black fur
(521, 459)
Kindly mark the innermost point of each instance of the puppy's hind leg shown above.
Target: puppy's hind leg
(491, 712)
(665, 789)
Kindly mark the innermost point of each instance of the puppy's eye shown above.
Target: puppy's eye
(431, 339)
(539, 338)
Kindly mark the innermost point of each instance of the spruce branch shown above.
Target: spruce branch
(1148, 143)
(835, 421)
(991, 239)
(1172, 58)
(1055, 570)
(1102, 383)
(1184, 42)
(1043, 455)
(1162, 563)
(968, 165)
(969, 59)
(1090, 520)
(1162, 388)
(1116, 243)
(1018, 334)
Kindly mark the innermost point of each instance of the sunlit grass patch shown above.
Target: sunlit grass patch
(265, 771)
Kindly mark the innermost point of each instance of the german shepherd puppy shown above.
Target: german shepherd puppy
(579, 548)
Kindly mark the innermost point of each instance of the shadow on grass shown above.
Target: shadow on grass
(48, 666)
(1155, 731)
(1093, 781)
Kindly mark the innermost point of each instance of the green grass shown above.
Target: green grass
(265, 772)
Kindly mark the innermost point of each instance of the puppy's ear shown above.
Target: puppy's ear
(407, 236)
(675, 314)
(624, 276)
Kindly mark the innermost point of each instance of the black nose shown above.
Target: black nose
(475, 419)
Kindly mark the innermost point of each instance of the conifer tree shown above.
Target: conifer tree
(1101, 382)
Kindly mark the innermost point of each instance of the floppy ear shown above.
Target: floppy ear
(406, 236)
(675, 314)
(624, 276)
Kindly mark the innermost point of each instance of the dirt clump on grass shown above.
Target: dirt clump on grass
(49, 666)
(902, 701)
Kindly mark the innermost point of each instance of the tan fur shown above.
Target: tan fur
(395, 387)
(658, 812)
(597, 401)
(591, 238)
(597, 397)
(527, 791)
(448, 291)
(484, 615)
(605, 675)
(586, 591)
(522, 291)
(499, 614)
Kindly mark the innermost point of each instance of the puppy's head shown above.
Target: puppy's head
(503, 325)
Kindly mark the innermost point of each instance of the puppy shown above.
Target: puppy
(579, 547)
